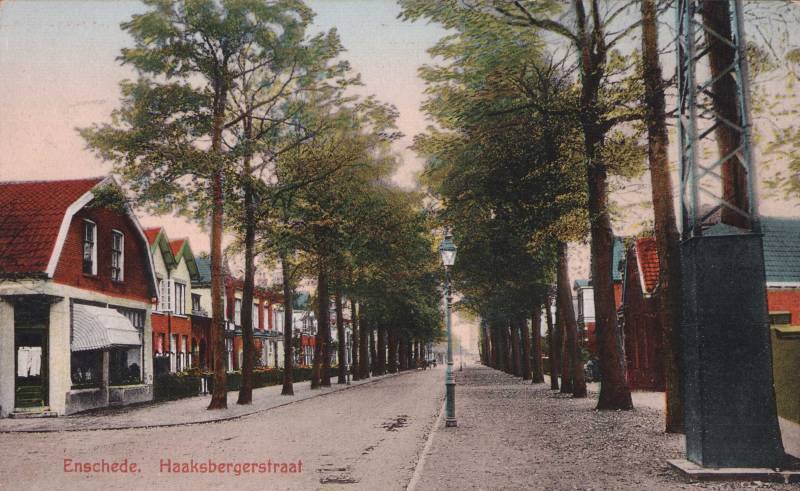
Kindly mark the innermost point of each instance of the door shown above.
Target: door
(30, 346)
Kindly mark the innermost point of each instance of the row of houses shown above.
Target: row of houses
(93, 307)
(637, 294)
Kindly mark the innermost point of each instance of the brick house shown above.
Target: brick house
(77, 284)
(267, 318)
(644, 360)
(180, 337)
(584, 298)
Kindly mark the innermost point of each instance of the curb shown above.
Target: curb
(414, 482)
(208, 421)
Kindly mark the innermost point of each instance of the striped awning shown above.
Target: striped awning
(100, 328)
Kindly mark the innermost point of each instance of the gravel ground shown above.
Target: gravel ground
(514, 435)
(368, 437)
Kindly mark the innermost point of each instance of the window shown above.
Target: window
(123, 366)
(85, 369)
(160, 346)
(180, 299)
(237, 312)
(136, 316)
(117, 255)
(196, 309)
(89, 247)
(780, 318)
(255, 316)
(165, 300)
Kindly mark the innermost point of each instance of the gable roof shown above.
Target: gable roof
(159, 242)
(617, 258)
(781, 249)
(647, 263)
(203, 272)
(34, 218)
(181, 248)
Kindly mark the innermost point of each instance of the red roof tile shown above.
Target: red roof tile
(152, 234)
(647, 257)
(31, 213)
(176, 245)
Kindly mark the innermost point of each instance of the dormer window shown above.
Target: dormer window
(117, 255)
(89, 247)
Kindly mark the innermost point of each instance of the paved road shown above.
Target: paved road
(368, 437)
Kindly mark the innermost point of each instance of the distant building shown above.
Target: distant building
(584, 298)
(77, 284)
(644, 358)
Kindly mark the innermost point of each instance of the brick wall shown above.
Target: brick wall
(136, 280)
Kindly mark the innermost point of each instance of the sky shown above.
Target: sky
(58, 72)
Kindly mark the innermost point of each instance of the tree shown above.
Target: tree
(665, 227)
(167, 139)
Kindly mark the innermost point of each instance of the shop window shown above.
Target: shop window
(123, 367)
(86, 368)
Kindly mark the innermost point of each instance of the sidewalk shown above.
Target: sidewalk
(515, 435)
(187, 411)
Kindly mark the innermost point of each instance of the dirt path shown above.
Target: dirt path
(514, 435)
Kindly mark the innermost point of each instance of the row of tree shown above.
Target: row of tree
(539, 108)
(243, 121)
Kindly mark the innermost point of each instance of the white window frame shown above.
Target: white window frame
(166, 290)
(180, 300)
(237, 311)
(121, 263)
(94, 246)
(256, 314)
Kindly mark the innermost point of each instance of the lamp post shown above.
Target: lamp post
(447, 249)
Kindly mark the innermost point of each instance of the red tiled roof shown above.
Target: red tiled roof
(176, 245)
(31, 213)
(647, 257)
(152, 234)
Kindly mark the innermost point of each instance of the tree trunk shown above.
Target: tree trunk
(554, 342)
(716, 16)
(392, 362)
(288, 348)
(323, 324)
(537, 375)
(355, 368)
(516, 359)
(341, 351)
(409, 352)
(381, 350)
(219, 394)
(364, 359)
(402, 352)
(570, 324)
(614, 392)
(373, 352)
(666, 230)
(526, 347)
(325, 328)
(566, 355)
(249, 345)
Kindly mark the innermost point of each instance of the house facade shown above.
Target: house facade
(77, 285)
(643, 340)
(583, 295)
(180, 336)
(267, 323)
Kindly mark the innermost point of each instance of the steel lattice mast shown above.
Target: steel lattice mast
(730, 413)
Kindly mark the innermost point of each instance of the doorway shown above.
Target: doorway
(30, 348)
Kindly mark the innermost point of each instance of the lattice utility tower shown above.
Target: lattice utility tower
(729, 396)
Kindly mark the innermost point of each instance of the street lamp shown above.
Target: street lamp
(447, 249)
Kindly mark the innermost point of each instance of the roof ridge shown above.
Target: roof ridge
(36, 181)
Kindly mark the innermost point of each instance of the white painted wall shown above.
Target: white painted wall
(6, 357)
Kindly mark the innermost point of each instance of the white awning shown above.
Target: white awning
(100, 328)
